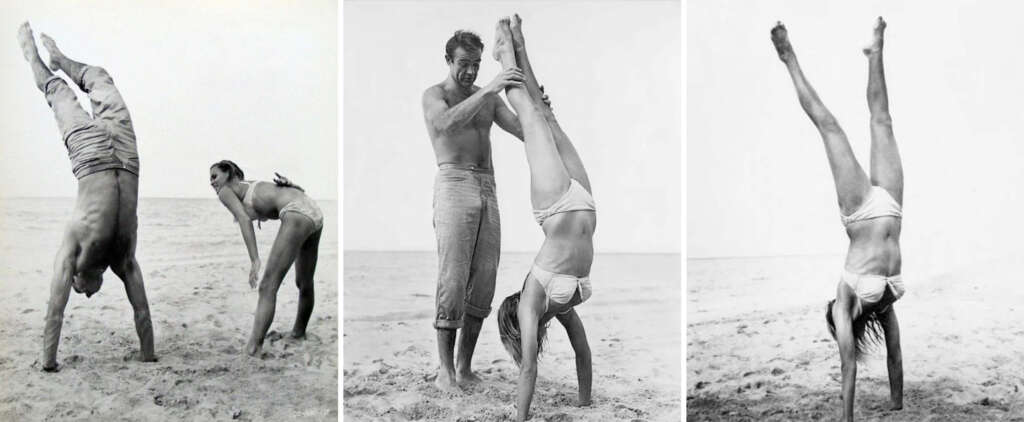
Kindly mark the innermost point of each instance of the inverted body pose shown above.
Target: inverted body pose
(563, 206)
(298, 240)
(104, 159)
(459, 117)
(862, 312)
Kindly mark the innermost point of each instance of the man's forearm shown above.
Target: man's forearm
(458, 115)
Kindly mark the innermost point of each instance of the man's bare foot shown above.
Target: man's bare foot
(467, 378)
(780, 37)
(27, 43)
(253, 349)
(516, 26)
(876, 42)
(51, 47)
(446, 382)
(502, 39)
(51, 367)
(298, 335)
(895, 406)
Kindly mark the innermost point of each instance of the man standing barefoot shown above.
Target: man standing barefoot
(459, 116)
(102, 231)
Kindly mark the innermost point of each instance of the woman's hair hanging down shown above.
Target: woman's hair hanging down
(229, 167)
(867, 331)
(508, 329)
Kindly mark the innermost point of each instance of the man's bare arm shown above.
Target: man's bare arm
(442, 119)
(507, 120)
(60, 290)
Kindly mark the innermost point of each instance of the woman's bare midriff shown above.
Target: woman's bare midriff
(874, 246)
(270, 198)
(569, 243)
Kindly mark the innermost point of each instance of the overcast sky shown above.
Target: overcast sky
(758, 179)
(612, 70)
(250, 81)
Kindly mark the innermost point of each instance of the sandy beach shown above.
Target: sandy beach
(758, 347)
(390, 356)
(195, 269)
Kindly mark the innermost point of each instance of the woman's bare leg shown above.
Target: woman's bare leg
(305, 267)
(294, 230)
(851, 182)
(570, 158)
(886, 168)
(548, 177)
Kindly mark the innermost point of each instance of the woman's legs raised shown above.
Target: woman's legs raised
(548, 177)
(886, 168)
(570, 158)
(851, 183)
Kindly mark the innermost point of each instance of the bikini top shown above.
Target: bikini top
(575, 199)
(247, 201)
(878, 203)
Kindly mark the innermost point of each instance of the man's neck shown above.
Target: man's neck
(453, 85)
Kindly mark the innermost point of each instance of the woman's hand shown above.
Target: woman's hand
(254, 274)
(281, 180)
(284, 182)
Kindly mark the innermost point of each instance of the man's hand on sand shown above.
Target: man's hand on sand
(511, 77)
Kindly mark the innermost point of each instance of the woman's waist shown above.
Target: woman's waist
(566, 256)
(271, 205)
(874, 258)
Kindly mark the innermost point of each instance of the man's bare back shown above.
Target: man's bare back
(104, 158)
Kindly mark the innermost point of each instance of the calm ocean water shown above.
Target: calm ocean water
(171, 230)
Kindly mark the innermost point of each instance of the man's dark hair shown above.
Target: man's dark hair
(465, 39)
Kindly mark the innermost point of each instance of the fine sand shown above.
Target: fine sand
(390, 349)
(196, 276)
(758, 347)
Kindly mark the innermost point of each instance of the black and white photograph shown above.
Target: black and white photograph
(852, 217)
(168, 220)
(512, 201)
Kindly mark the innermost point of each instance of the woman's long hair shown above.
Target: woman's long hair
(508, 329)
(229, 167)
(867, 331)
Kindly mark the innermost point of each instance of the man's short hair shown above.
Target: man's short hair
(465, 39)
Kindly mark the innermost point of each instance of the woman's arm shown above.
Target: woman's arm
(578, 338)
(529, 324)
(847, 355)
(894, 357)
(233, 204)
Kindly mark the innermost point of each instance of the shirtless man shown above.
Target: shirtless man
(459, 117)
(102, 231)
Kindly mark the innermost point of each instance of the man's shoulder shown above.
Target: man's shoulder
(435, 90)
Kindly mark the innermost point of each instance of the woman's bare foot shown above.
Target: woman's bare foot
(51, 47)
(516, 26)
(876, 43)
(503, 40)
(780, 37)
(27, 43)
